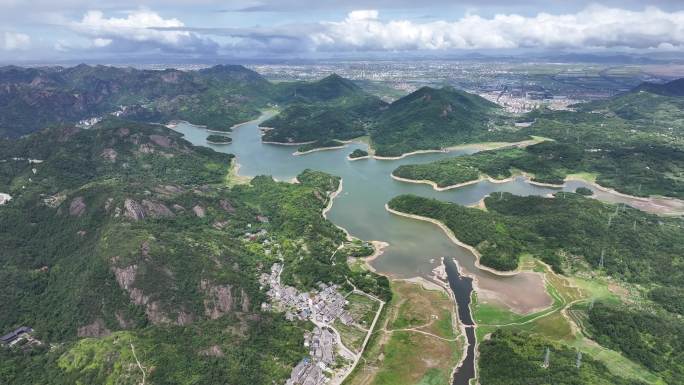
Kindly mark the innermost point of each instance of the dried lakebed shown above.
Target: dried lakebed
(415, 247)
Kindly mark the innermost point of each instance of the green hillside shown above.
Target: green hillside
(219, 97)
(636, 246)
(127, 232)
(633, 143)
(672, 88)
(331, 108)
(517, 358)
(430, 119)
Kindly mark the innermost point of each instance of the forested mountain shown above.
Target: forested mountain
(672, 88)
(219, 97)
(430, 118)
(331, 108)
(329, 88)
(633, 143)
(127, 232)
(222, 96)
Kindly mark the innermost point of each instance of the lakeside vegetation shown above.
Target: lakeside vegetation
(565, 231)
(358, 153)
(219, 139)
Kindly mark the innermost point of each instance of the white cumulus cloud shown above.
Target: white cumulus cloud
(594, 27)
(143, 28)
(16, 41)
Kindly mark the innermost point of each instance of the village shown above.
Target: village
(321, 307)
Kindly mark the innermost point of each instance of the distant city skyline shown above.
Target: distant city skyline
(103, 31)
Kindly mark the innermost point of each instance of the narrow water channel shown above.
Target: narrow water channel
(462, 287)
(416, 247)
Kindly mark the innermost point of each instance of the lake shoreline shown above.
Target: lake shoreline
(662, 205)
(450, 234)
(436, 187)
(298, 153)
(480, 146)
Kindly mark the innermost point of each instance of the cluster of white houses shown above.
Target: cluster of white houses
(322, 307)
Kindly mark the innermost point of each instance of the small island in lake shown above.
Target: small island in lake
(584, 191)
(219, 139)
(358, 154)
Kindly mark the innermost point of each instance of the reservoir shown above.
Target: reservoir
(415, 247)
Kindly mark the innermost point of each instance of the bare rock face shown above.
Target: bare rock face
(199, 211)
(145, 149)
(219, 299)
(145, 249)
(156, 209)
(109, 154)
(218, 225)
(95, 329)
(123, 131)
(108, 204)
(77, 207)
(155, 314)
(168, 189)
(178, 208)
(125, 276)
(227, 206)
(133, 210)
(212, 351)
(184, 318)
(161, 141)
(245, 301)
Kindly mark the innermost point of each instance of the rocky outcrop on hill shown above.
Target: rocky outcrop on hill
(133, 210)
(227, 206)
(156, 209)
(95, 329)
(199, 211)
(161, 141)
(219, 299)
(109, 154)
(77, 207)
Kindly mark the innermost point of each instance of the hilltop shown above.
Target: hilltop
(431, 119)
(672, 88)
(328, 109)
(327, 89)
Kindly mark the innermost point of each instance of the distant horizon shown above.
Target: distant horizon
(265, 30)
(561, 57)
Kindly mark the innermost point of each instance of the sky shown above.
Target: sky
(106, 30)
